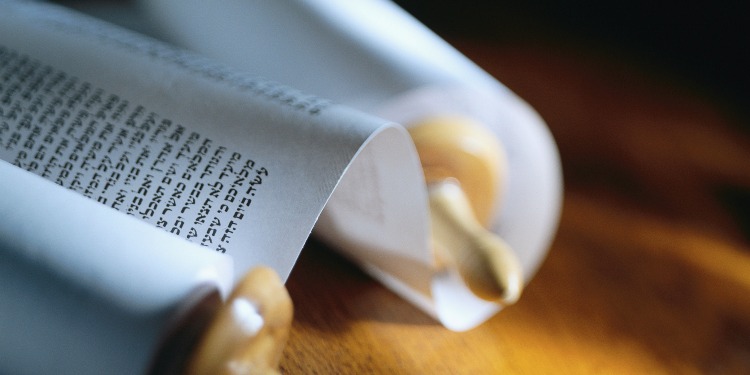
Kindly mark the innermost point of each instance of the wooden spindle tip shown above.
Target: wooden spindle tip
(249, 332)
(461, 148)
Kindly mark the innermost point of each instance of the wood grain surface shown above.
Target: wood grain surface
(649, 272)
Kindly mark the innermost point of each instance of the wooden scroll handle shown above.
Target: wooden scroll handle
(243, 336)
(464, 167)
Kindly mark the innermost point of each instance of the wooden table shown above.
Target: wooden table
(650, 270)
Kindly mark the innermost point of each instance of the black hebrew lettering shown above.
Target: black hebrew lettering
(121, 154)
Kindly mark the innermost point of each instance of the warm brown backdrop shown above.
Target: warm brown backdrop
(649, 273)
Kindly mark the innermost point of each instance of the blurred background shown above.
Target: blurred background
(704, 43)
